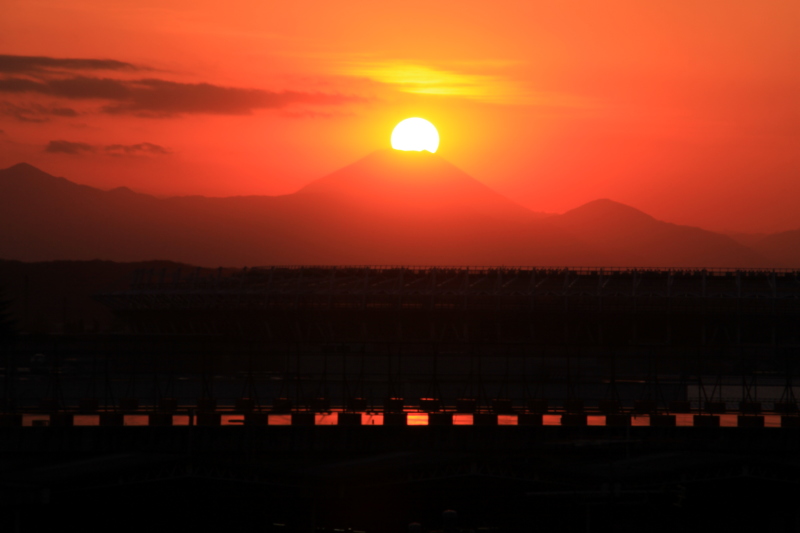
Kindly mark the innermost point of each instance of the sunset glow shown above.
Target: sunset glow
(671, 108)
(415, 135)
(430, 266)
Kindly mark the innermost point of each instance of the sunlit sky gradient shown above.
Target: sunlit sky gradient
(686, 110)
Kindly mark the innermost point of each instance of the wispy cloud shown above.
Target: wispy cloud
(423, 79)
(136, 149)
(32, 112)
(79, 148)
(69, 148)
(159, 98)
(316, 114)
(34, 64)
(485, 81)
(167, 97)
(148, 97)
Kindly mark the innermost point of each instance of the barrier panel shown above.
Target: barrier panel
(790, 421)
(395, 419)
(208, 419)
(573, 419)
(705, 421)
(62, 419)
(530, 419)
(112, 419)
(750, 421)
(256, 419)
(440, 419)
(159, 419)
(303, 419)
(349, 419)
(618, 420)
(484, 419)
(662, 421)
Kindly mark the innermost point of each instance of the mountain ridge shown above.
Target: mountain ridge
(347, 217)
(394, 179)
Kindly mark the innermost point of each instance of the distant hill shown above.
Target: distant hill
(47, 218)
(747, 239)
(636, 238)
(390, 207)
(782, 248)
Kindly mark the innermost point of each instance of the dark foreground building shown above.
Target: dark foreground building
(593, 399)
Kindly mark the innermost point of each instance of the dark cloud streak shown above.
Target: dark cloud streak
(148, 97)
(160, 98)
(78, 148)
(82, 87)
(21, 85)
(35, 112)
(167, 97)
(32, 64)
(136, 149)
(67, 147)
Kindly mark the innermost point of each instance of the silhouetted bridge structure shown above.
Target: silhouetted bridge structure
(483, 341)
(535, 385)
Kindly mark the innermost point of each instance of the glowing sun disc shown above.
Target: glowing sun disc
(415, 134)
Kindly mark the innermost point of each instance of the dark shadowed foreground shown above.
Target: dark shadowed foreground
(314, 399)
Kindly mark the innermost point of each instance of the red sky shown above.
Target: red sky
(689, 111)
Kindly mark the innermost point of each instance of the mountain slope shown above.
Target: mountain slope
(46, 218)
(384, 209)
(421, 182)
(636, 238)
(783, 248)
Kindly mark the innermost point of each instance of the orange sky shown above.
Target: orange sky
(686, 110)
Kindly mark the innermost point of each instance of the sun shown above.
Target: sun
(415, 134)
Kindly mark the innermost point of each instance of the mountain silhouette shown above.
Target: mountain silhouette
(401, 208)
(783, 248)
(418, 181)
(636, 238)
